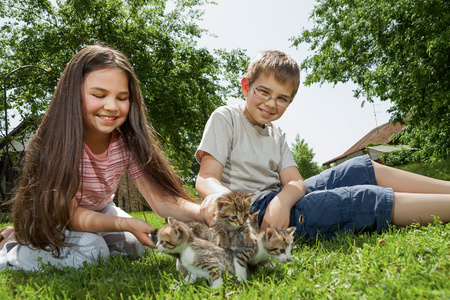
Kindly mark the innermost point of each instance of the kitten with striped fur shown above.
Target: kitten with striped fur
(199, 257)
(232, 214)
(270, 243)
(239, 238)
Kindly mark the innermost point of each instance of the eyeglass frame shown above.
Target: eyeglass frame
(269, 96)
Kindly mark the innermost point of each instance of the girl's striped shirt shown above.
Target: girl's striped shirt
(101, 176)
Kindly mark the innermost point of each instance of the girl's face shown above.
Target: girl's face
(260, 112)
(105, 101)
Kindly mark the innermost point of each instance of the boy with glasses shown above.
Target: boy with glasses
(242, 150)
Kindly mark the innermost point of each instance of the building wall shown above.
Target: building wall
(128, 196)
(354, 154)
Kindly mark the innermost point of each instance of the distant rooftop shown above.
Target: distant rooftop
(381, 134)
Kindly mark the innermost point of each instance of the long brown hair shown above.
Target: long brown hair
(51, 173)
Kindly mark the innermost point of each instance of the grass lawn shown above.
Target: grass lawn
(403, 263)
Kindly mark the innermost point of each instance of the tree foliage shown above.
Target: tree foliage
(181, 83)
(396, 50)
(303, 157)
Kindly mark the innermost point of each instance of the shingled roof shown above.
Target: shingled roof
(381, 134)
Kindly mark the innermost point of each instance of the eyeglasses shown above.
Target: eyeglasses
(264, 96)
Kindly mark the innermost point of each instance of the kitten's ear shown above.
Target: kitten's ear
(254, 215)
(248, 198)
(172, 222)
(254, 219)
(291, 230)
(174, 230)
(221, 202)
(175, 233)
(271, 234)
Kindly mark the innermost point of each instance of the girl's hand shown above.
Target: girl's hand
(141, 230)
(208, 208)
(277, 215)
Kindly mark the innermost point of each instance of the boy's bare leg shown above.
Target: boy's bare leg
(412, 208)
(407, 182)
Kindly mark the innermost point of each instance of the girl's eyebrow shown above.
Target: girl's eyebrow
(105, 90)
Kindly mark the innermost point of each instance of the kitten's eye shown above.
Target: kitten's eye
(168, 245)
(282, 251)
(234, 217)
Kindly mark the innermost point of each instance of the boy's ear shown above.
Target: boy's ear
(245, 85)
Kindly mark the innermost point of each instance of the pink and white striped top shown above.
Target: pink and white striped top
(101, 176)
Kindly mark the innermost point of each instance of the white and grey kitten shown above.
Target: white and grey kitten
(270, 243)
(199, 257)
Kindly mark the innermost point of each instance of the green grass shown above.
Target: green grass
(439, 170)
(402, 263)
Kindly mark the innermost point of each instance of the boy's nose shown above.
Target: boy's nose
(271, 103)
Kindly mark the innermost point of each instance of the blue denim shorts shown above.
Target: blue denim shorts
(342, 198)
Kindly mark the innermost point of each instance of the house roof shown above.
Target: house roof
(381, 134)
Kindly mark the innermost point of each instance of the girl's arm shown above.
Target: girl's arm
(278, 211)
(167, 206)
(87, 220)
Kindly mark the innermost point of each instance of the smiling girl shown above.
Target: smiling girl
(94, 130)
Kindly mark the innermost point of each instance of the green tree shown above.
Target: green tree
(396, 50)
(181, 82)
(303, 157)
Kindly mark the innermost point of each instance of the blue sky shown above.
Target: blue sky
(328, 118)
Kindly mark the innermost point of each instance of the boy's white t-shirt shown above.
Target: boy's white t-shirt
(252, 156)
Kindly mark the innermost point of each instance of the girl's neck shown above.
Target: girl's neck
(98, 144)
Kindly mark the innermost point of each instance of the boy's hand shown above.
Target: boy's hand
(277, 215)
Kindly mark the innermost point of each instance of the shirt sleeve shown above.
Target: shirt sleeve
(287, 160)
(217, 136)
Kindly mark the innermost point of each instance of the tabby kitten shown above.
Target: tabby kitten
(233, 210)
(274, 243)
(200, 258)
(268, 243)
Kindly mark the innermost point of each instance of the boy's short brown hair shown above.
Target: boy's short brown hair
(279, 64)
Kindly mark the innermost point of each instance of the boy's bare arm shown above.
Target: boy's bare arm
(208, 185)
(209, 176)
(278, 210)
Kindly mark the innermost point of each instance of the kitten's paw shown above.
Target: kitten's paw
(191, 278)
(217, 283)
(241, 271)
(270, 265)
